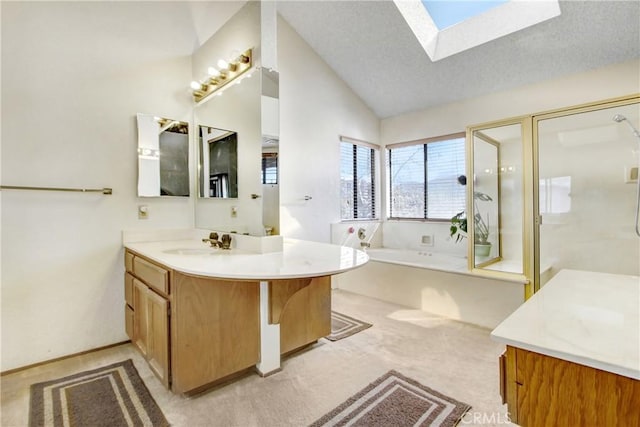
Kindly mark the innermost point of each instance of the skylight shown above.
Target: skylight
(462, 25)
(447, 13)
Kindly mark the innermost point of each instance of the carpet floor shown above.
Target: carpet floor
(454, 358)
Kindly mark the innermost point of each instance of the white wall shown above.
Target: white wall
(609, 82)
(74, 75)
(315, 108)
(238, 109)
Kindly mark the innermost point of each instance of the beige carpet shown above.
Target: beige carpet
(454, 358)
(395, 400)
(110, 396)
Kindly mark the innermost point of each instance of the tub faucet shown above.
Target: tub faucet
(365, 245)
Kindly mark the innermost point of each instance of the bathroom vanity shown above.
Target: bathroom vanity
(203, 315)
(573, 352)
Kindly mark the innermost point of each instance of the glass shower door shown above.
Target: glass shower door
(586, 195)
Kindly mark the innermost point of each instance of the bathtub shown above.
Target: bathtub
(420, 259)
(436, 283)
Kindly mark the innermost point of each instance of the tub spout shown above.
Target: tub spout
(365, 245)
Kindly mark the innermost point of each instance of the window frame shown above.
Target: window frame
(424, 142)
(263, 171)
(375, 177)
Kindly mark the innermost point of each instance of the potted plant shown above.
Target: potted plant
(458, 226)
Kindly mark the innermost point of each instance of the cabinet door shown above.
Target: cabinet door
(158, 335)
(140, 304)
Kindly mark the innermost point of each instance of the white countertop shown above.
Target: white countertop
(583, 317)
(298, 259)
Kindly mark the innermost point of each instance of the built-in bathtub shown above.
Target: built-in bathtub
(421, 259)
(435, 282)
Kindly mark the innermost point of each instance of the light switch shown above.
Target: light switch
(234, 211)
(143, 212)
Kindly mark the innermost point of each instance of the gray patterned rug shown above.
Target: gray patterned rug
(343, 326)
(110, 396)
(398, 401)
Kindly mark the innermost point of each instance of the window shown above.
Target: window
(269, 168)
(357, 179)
(423, 178)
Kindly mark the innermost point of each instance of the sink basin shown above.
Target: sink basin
(192, 251)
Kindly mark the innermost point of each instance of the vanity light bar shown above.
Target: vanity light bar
(218, 79)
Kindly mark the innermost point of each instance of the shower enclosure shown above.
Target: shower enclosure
(561, 192)
(586, 189)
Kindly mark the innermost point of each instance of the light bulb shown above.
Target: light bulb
(196, 85)
(222, 64)
(213, 72)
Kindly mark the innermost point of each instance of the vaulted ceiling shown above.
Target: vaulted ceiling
(371, 47)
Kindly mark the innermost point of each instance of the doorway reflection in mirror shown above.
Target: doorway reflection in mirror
(218, 162)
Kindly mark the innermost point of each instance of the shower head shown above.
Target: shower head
(620, 118)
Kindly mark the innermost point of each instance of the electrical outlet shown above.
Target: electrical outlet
(631, 174)
(234, 211)
(427, 240)
(143, 212)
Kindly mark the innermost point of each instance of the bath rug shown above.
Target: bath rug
(110, 396)
(343, 326)
(398, 401)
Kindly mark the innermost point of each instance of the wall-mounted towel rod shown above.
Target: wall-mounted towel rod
(82, 190)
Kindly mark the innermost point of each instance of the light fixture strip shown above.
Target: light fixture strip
(237, 67)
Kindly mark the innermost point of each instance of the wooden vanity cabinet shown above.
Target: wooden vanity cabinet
(540, 390)
(147, 312)
(193, 331)
(215, 328)
(197, 331)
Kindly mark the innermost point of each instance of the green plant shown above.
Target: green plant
(458, 226)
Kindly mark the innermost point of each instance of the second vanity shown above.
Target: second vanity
(203, 315)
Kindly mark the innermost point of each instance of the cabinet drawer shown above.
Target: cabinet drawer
(128, 261)
(128, 289)
(128, 321)
(155, 277)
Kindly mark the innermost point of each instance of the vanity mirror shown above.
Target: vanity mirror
(244, 106)
(163, 156)
(218, 164)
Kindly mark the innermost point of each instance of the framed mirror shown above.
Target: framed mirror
(497, 203)
(163, 156)
(218, 162)
(486, 199)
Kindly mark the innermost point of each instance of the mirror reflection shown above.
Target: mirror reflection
(486, 198)
(498, 198)
(218, 162)
(270, 118)
(163, 156)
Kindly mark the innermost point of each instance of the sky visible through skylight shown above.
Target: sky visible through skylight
(446, 13)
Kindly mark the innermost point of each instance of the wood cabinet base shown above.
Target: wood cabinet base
(545, 391)
(215, 326)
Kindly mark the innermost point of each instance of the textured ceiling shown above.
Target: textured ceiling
(370, 46)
